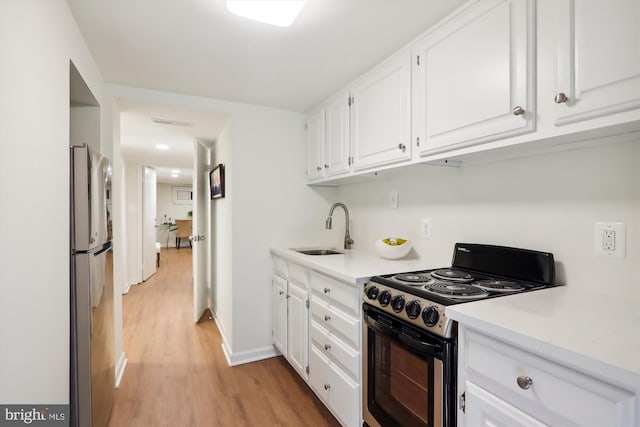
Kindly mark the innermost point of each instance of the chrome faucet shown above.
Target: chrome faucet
(348, 241)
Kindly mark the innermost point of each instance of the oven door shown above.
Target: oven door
(407, 373)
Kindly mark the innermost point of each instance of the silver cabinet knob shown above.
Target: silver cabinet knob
(518, 111)
(560, 98)
(326, 166)
(327, 290)
(327, 317)
(402, 147)
(327, 347)
(318, 168)
(327, 386)
(524, 382)
(281, 292)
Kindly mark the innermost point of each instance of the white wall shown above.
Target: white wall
(267, 204)
(548, 202)
(39, 38)
(133, 203)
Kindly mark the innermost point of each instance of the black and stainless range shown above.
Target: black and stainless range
(409, 344)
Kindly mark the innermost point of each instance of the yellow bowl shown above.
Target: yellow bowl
(386, 249)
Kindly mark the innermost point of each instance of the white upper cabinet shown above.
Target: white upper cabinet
(336, 147)
(380, 125)
(315, 145)
(475, 77)
(597, 58)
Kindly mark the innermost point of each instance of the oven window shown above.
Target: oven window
(400, 384)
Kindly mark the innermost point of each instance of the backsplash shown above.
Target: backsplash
(547, 202)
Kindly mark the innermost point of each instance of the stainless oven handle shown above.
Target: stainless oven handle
(415, 344)
(420, 346)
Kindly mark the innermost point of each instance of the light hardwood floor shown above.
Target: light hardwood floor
(177, 375)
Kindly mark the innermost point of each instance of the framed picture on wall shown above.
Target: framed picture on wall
(216, 181)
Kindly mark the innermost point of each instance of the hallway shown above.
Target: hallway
(177, 375)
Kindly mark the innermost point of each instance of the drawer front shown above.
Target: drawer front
(342, 294)
(335, 388)
(298, 274)
(557, 394)
(335, 349)
(319, 373)
(336, 320)
(279, 266)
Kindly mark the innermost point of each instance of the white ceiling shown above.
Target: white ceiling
(197, 47)
(139, 135)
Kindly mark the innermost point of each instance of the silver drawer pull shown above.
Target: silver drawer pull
(327, 317)
(524, 382)
(281, 292)
(327, 347)
(560, 98)
(518, 111)
(327, 386)
(327, 290)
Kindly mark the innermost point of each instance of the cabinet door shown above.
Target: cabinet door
(478, 76)
(279, 297)
(482, 409)
(598, 59)
(380, 123)
(315, 145)
(336, 151)
(298, 329)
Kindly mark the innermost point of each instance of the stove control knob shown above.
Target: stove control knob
(397, 303)
(384, 298)
(430, 315)
(413, 309)
(372, 292)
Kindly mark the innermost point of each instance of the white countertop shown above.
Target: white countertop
(593, 332)
(354, 265)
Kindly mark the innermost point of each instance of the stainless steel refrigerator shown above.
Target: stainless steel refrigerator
(92, 348)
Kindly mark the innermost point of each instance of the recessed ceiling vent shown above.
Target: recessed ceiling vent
(171, 122)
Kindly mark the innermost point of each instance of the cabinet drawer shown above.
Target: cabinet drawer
(336, 349)
(279, 266)
(336, 320)
(347, 296)
(557, 395)
(298, 274)
(335, 388)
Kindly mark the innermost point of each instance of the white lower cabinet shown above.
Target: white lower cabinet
(317, 327)
(290, 319)
(339, 392)
(279, 318)
(298, 328)
(486, 410)
(334, 362)
(497, 377)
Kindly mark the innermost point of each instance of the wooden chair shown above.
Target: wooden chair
(183, 231)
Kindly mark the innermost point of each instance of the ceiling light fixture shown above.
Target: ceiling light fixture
(162, 146)
(280, 13)
(175, 171)
(174, 175)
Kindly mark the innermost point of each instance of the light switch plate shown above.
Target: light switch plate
(609, 240)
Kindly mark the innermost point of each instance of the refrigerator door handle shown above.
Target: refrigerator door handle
(106, 248)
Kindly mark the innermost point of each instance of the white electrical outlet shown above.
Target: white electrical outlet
(393, 200)
(610, 239)
(426, 228)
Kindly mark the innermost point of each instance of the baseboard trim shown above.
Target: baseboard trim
(242, 357)
(248, 356)
(120, 367)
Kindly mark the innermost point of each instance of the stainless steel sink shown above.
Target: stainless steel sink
(318, 251)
